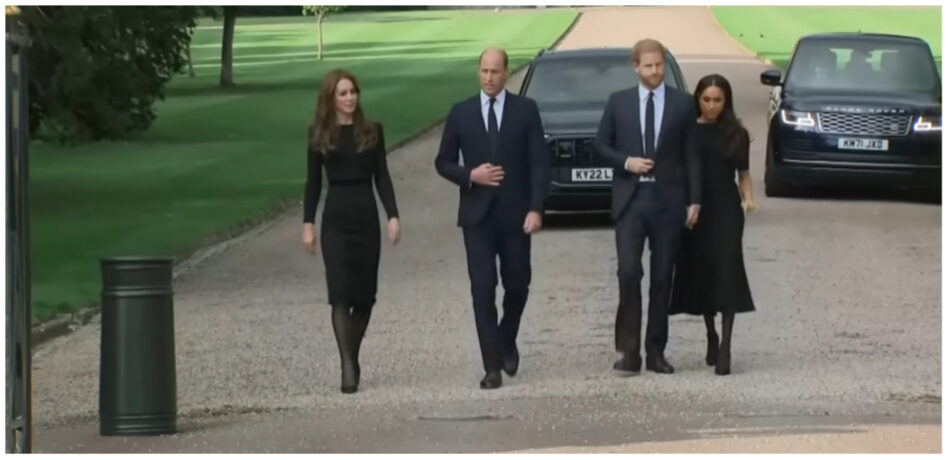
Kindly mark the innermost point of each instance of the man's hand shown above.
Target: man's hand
(692, 216)
(487, 174)
(533, 223)
(639, 165)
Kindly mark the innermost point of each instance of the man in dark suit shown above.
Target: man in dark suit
(648, 134)
(503, 175)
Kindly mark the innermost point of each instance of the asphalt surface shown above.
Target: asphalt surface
(847, 332)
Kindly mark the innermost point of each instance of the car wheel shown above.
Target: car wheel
(773, 186)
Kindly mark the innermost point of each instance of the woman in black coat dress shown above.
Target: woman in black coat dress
(352, 150)
(710, 275)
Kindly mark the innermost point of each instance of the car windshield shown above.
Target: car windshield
(583, 80)
(862, 65)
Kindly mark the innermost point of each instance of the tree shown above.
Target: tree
(321, 12)
(95, 72)
(212, 12)
(227, 46)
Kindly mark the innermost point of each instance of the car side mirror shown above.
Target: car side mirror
(770, 77)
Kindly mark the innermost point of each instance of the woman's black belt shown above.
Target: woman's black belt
(350, 181)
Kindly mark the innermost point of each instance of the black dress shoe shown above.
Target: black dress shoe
(628, 366)
(491, 381)
(511, 361)
(659, 365)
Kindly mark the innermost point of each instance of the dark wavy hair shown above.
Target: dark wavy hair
(324, 130)
(734, 131)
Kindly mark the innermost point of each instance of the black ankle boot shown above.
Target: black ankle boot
(723, 366)
(712, 355)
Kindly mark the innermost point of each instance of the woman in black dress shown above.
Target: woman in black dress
(352, 149)
(710, 275)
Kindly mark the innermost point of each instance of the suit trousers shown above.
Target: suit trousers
(658, 215)
(485, 243)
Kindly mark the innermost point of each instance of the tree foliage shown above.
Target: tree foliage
(95, 72)
(321, 12)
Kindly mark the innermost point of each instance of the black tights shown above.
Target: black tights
(349, 325)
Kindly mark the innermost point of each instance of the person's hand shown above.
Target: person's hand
(750, 205)
(692, 216)
(309, 238)
(487, 174)
(533, 223)
(394, 230)
(639, 165)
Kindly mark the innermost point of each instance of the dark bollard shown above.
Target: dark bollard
(137, 380)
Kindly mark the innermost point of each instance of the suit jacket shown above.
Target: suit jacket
(677, 154)
(521, 151)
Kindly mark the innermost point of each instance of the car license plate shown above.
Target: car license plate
(592, 174)
(856, 143)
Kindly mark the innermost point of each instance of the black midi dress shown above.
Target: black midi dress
(350, 237)
(709, 275)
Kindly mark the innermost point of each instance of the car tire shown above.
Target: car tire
(773, 186)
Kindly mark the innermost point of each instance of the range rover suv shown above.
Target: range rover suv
(857, 110)
(571, 89)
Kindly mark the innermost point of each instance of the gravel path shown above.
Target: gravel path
(847, 329)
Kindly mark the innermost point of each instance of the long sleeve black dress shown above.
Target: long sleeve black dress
(710, 276)
(350, 236)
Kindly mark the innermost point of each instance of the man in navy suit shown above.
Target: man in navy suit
(648, 134)
(493, 149)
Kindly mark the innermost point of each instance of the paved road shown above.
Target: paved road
(847, 331)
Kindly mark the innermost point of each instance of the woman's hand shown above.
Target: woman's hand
(309, 238)
(750, 205)
(394, 230)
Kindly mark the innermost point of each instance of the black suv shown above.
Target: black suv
(571, 89)
(855, 109)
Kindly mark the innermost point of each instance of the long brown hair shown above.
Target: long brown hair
(324, 130)
(734, 132)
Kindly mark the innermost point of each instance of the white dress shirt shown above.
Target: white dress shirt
(659, 101)
(498, 108)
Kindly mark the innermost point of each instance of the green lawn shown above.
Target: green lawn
(772, 31)
(216, 157)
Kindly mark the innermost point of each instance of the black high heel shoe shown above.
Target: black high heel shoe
(350, 380)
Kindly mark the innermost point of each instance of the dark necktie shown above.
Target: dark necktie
(650, 126)
(492, 130)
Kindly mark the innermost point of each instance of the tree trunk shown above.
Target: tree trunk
(190, 63)
(227, 46)
(319, 29)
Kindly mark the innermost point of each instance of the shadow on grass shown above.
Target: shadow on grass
(370, 74)
(375, 18)
(341, 50)
(396, 91)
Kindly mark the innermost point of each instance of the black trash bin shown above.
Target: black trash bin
(137, 379)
